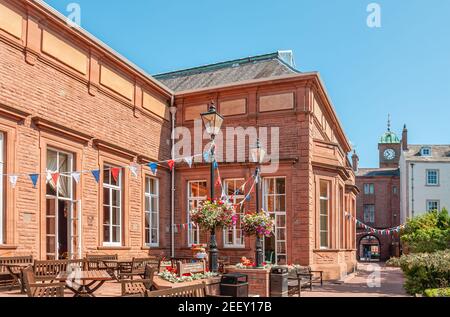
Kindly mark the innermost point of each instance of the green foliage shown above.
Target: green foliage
(394, 262)
(437, 292)
(425, 271)
(427, 233)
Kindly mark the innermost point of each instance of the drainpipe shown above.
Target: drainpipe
(412, 190)
(173, 111)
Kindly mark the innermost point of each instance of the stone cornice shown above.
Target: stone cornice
(114, 149)
(13, 113)
(56, 128)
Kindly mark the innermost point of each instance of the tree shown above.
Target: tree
(427, 233)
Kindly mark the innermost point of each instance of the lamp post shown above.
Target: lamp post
(213, 122)
(258, 155)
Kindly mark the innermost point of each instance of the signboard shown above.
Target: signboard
(194, 267)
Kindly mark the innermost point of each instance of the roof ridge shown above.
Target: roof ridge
(222, 64)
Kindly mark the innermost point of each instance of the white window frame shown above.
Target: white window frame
(70, 199)
(191, 230)
(111, 188)
(2, 189)
(277, 213)
(438, 204)
(236, 199)
(151, 196)
(327, 199)
(427, 177)
(425, 151)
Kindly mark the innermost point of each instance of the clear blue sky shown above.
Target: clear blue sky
(402, 68)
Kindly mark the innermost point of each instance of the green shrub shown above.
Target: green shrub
(394, 262)
(437, 292)
(427, 233)
(426, 271)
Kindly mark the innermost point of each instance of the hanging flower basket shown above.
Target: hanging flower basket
(210, 215)
(258, 224)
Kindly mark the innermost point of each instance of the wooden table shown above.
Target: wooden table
(84, 283)
(116, 266)
(16, 272)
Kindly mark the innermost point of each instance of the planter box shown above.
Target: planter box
(258, 280)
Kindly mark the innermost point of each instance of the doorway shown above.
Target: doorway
(63, 213)
(369, 249)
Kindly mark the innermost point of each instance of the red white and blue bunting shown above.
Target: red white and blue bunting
(369, 229)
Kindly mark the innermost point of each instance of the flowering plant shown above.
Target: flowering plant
(260, 224)
(171, 276)
(246, 263)
(214, 214)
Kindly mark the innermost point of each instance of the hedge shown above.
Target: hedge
(426, 271)
(437, 292)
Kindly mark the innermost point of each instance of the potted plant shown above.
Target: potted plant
(258, 224)
(211, 215)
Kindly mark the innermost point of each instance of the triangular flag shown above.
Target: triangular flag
(215, 165)
(55, 177)
(96, 174)
(115, 171)
(153, 166)
(206, 156)
(218, 182)
(188, 160)
(13, 180)
(248, 198)
(134, 170)
(48, 176)
(76, 176)
(171, 164)
(34, 178)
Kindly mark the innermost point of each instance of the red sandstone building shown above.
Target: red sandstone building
(70, 104)
(378, 204)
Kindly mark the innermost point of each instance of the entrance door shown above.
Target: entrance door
(274, 202)
(62, 212)
(74, 231)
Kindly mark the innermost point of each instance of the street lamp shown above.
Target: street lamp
(258, 155)
(213, 122)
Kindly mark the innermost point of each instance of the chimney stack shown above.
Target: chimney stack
(355, 160)
(405, 139)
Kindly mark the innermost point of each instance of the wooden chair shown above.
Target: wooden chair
(139, 287)
(302, 277)
(10, 276)
(198, 290)
(138, 266)
(47, 270)
(41, 289)
(95, 262)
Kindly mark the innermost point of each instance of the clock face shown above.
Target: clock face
(389, 154)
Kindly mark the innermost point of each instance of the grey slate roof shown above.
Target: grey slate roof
(439, 153)
(373, 172)
(255, 67)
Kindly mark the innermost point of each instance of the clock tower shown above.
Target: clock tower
(389, 149)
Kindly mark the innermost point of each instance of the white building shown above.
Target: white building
(424, 179)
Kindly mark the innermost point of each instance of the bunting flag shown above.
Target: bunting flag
(215, 165)
(248, 197)
(13, 180)
(133, 169)
(218, 182)
(34, 178)
(48, 176)
(115, 171)
(171, 164)
(206, 156)
(55, 178)
(153, 166)
(96, 174)
(76, 177)
(189, 160)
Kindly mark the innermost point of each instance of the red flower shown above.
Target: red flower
(187, 274)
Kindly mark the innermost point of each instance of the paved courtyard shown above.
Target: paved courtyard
(387, 282)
